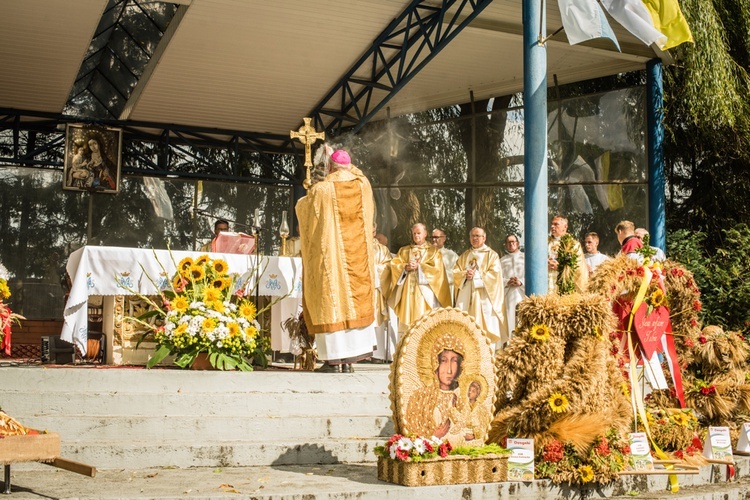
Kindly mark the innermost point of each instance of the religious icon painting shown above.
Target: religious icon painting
(92, 158)
(443, 379)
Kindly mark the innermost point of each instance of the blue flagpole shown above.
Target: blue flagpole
(656, 181)
(535, 146)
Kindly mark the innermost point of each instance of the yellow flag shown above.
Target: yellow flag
(669, 20)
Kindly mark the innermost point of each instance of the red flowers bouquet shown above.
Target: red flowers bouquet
(414, 448)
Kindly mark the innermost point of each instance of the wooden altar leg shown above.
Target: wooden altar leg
(108, 326)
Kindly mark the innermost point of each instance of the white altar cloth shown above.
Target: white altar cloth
(109, 271)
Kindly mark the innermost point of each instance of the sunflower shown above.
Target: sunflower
(4, 290)
(658, 298)
(251, 332)
(185, 264)
(681, 419)
(234, 329)
(197, 272)
(217, 305)
(558, 403)
(211, 294)
(221, 283)
(247, 310)
(181, 329)
(586, 473)
(539, 332)
(180, 304)
(201, 260)
(208, 324)
(177, 282)
(625, 389)
(220, 266)
(598, 333)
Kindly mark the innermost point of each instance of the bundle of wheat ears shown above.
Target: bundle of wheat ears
(10, 426)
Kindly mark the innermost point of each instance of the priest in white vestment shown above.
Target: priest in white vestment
(386, 329)
(449, 256)
(514, 273)
(418, 280)
(479, 286)
(336, 227)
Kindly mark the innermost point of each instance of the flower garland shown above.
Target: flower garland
(562, 462)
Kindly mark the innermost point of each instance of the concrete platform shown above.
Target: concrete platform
(270, 435)
(337, 482)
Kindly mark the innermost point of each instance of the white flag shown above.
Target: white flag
(154, 189)
(634, 17)
(585, 20)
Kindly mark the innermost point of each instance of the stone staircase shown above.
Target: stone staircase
(123, 418)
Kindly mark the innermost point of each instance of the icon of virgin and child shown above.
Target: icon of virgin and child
(452, 401)
(90, 165)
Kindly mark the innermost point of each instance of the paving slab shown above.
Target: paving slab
(330, 482)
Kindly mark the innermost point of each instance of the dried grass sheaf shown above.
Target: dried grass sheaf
(574, 362)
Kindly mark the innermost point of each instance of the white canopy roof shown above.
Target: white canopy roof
(260, 66)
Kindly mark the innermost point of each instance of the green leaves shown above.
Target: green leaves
(158, 356)
(723, 275)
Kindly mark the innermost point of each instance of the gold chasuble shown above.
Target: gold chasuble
(417, 292)
(483, 296)
(581, 274)
(336, 227)
(382, 258)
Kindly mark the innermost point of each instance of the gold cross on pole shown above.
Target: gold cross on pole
(307, 135)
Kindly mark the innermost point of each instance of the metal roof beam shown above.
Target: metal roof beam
(393, 59)
(192, 144)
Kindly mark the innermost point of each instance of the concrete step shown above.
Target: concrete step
(135, 418)
(248, 404)
(220, 453)
(85, 428)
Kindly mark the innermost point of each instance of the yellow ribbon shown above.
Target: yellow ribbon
(640, 410)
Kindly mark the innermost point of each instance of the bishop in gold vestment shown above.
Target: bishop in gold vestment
(418, 280)
(480, 287)
(336, 228)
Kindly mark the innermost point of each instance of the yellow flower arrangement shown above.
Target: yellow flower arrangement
(558, 403)
(680, 419)
(205, 311)
(586, 473)
(4, 289)
(7, 317)
(539, 332)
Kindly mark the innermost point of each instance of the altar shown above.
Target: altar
(117, 275)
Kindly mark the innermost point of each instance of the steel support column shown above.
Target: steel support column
(656, 181)
(535, 146)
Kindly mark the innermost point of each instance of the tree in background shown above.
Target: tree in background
(707, 122)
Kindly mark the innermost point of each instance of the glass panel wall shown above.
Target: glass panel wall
(451, 168)
(597, 167)
(41, 224)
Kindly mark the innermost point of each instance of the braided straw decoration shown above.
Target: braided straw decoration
(10, 426)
